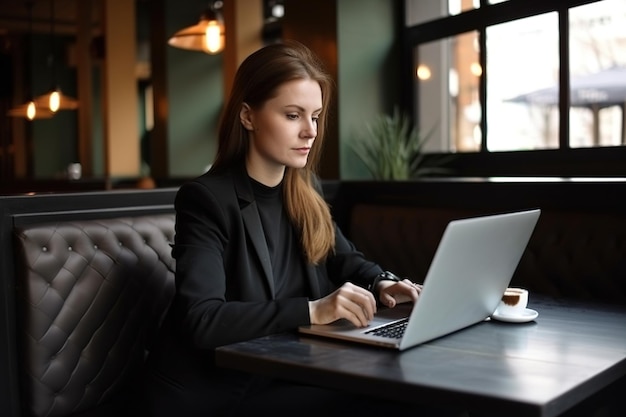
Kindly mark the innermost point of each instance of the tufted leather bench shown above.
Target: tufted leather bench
(92, 279)
(90, 296)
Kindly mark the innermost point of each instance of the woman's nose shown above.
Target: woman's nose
(309, 130)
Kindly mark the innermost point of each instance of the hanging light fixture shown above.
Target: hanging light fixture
(30, 110)
(54, 99)
(206, 36)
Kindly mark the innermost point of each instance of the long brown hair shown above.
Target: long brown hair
(256, 81)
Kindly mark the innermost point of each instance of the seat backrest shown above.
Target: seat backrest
(572, 253)
(91, 295)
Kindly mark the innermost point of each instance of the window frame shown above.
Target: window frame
(561, 162)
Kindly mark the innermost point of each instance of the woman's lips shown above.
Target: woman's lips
(302, 150)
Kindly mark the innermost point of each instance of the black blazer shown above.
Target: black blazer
(225, 291)
(224, 282)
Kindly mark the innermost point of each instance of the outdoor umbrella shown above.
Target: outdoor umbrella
(595, 91)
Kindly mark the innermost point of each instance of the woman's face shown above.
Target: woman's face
(282, 130)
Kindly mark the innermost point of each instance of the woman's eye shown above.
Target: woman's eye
(292, 116)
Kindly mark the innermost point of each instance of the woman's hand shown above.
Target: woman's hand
(349, 302)
(391, 293)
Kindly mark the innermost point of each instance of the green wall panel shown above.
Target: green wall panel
(368, 65)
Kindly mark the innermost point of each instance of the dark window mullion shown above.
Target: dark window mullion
(564, 78)
(482, 86)
(448, 26)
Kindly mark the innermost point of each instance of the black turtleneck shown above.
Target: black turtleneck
(282, 242)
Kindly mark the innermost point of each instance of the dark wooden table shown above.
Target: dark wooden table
(570, 353)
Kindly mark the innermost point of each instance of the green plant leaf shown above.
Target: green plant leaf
(392, 148)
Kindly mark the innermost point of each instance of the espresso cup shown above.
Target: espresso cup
(514, 301)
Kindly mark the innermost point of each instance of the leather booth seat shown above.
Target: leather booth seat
(91, 295)
(87, 279)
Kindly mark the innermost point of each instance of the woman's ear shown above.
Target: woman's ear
(245, 115)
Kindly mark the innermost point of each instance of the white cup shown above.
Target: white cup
(514, 301)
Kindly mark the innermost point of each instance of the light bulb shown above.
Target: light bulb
(476, 69)
(55, 101)
(423, 72)
(212, 37)
(31, 110)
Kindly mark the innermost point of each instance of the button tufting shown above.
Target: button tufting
(52, 290)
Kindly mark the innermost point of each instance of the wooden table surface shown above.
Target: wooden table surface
(569, 353)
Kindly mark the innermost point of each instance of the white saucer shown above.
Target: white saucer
(526, 316)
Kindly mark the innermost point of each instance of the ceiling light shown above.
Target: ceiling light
(54, 99)
(30, 111)
(206, 36)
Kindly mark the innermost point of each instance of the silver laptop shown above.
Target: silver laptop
(473, 265)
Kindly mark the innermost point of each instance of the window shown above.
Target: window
(523, 57)
(597, 41)
(534, 88)
(449, 104)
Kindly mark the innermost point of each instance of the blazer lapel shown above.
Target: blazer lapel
(252, 222)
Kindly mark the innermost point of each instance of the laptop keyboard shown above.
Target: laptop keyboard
(393, 330)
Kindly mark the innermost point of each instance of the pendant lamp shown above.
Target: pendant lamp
(30, 110)
(206, 36)
(54, 99)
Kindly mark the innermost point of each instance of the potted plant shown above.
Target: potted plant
(392, 149)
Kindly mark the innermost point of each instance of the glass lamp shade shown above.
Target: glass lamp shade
(31, 111)
(206, 36)
(55, 100)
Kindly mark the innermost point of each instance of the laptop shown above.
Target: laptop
(473, 265)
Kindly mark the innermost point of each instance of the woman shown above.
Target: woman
(257, 251)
